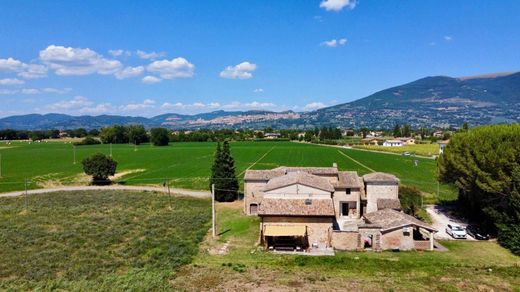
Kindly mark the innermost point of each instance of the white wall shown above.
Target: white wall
(380, 191)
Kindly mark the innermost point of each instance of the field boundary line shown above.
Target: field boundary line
(340, 152)
(254, 163)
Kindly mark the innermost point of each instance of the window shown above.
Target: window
(347, 191)
(253, 208)
(344, 209)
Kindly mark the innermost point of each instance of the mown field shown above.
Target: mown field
(467, 266)
(419, 149)
(187, 165)
(98, 241)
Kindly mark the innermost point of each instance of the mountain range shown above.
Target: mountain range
(438, 101)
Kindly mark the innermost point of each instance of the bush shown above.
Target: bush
(410, 198)
(159, 136)
(100, 167)
(88, 141)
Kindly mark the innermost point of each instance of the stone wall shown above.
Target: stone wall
(375, 191)
(252, 194)
(341, 196)
(318, 228)
(342, 240)
(398, 239)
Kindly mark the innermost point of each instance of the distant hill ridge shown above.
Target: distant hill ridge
(437, 101)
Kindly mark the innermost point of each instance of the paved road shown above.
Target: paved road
(192, 193)
(440, 220)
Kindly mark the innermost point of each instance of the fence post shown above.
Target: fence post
(213, 214)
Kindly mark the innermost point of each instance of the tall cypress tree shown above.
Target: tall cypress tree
(223, 174)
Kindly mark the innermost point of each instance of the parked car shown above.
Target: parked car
(477, 233)
(456, 231)
(406, 153)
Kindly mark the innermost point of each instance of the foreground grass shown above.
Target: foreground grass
(468, 266)
(419, 149)
(98, 240)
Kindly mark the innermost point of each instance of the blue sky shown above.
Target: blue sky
(145, 58)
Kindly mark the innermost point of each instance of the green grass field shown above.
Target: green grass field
(98, 241)
(467, 266)
(419, 149)
(187, 165)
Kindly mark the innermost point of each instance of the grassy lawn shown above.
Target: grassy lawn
(419, 149)
(187, 165)
(98, 241)
(468, 266)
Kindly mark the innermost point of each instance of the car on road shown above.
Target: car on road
(456, 231)
(406, 153)
(477, 233)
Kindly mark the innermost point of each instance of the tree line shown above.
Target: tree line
(484, 164)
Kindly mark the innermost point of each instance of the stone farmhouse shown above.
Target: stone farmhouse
(322, 208)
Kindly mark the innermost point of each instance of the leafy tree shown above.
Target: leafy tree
(407, 131)
(397, 130)
(465, 127)
(159, 136)
(88, 141)
(137, 134)
(100, 167)
(93, 132)
(223, 174)
(484, 164)
(410, 198)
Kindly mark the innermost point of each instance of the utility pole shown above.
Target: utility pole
(213, 214)
(169, 197)
(74, 150)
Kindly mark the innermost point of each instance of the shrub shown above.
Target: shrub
(100, 167)
(88, 141)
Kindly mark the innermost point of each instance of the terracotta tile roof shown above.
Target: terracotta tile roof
(296, 207)
(388, 204)
(282, 170)
(390, 219)
(380, 177)
(348, 179)
(299, 177)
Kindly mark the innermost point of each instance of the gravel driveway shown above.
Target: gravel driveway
(441, 219)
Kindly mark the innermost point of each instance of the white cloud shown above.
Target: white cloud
(192, 106)
(76, 102)
(314, 106)
(129, 72)
(149, 55)
(176, 68)
(236, 105)
(10, 65)
(7, 91)
(27, 71)
(30, 91)
(77, 61)
(11, 81)
(119, 53)
(56, 90)
(151, 79)
(258, 90)
(448, 38)
(334, 43)
(33, 71)
(97, 109)
(147, 103)
(337, 5)
(240, 71)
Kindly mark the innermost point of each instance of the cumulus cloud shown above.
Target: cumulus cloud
(11, 81)
(77, 61)
(334, 43)
(240, 71)
(97, 109)
(258, 90)
(149, 55)
(7, 91)
(190, 106)
(30, 91)
(76, 102)
(448, 38)
(151, 79)
(27, 71)
(129, 72)
(147, 103)
(236, 105)
(314, 106)
(56, 90)
(337, 5)
(176, 68)
(119, 53)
